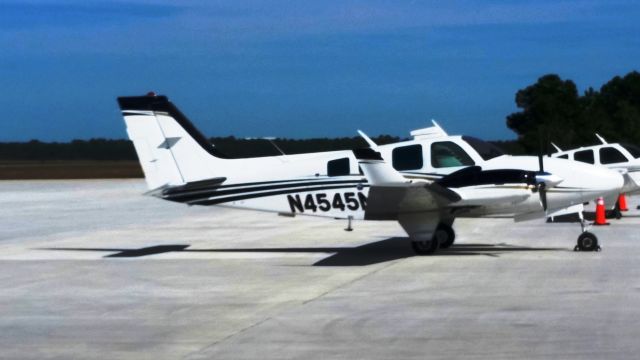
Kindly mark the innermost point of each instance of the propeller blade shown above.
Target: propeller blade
(540, 152)
(544, 182)
(540, 163)
(543, 196)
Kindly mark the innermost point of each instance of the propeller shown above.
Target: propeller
(544, 180)
(542, 186)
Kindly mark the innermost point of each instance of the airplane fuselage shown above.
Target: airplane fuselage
(329, 184)
(623, 158)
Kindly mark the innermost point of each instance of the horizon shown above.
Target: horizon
(300, 71)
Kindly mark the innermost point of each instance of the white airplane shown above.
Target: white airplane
(428, 182)
(624, 158)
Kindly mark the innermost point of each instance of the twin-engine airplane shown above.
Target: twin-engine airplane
(624, 158)
(423, 183)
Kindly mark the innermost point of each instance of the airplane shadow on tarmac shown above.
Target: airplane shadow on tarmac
(372, 253)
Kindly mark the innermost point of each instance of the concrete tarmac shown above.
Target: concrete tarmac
(94, 270)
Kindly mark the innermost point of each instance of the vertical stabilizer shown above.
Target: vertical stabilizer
(170, 149)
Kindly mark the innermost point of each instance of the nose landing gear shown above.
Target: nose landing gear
(587, 241)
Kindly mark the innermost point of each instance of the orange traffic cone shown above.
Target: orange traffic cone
(600, 216)
(622, 203)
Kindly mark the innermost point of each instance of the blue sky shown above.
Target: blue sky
(299, 68)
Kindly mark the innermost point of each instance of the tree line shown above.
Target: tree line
(107, 149)
(551, 109)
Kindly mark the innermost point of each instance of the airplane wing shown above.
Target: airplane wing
(391, 194)
(420, 206)
(389, 201)
(416, 206)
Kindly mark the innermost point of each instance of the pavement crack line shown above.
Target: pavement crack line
(319, 296)
(347, 283)
(258, 323)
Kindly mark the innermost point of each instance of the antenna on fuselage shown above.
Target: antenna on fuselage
(602, 140)
(270, 140)
(371, 143)
(435, 124)
(557, 147)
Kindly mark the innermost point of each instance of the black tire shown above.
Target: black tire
(445, 235)
(425, 247)
(588, 242)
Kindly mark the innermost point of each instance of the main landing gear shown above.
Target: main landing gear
(587, 241)
(424, 247)
(443, 237)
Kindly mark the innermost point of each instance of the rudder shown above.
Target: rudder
(170, 149)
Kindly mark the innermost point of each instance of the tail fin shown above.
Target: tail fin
(170, 149)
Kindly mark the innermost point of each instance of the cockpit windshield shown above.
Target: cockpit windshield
(486, 150)
(634, 150)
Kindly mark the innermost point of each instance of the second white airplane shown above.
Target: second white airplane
(424, 184)
(624, 158)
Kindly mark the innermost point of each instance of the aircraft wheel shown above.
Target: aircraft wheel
(445, 236)
(425, 247)
(587, 242)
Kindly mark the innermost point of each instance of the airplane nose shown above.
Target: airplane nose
(616, 180)
(582, 183)
(607, 181)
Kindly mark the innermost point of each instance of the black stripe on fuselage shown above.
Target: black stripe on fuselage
(421, 173)
(358, 179)
(189, 196)
(269, 193)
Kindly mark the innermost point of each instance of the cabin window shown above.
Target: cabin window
(448, 154)
(486, 150)
(564, 156)
(338, 167)
(610, 155)
(585, 156)
(407, 157)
